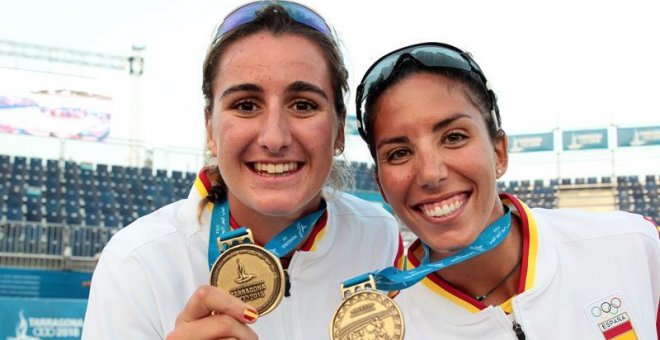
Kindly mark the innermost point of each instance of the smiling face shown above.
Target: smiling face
(273, 124)
(436, 161)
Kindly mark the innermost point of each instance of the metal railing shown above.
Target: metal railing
(52, 246)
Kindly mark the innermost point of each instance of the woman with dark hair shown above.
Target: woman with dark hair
(490, 267)
(274, 82)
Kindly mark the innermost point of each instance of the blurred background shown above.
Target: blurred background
(101, 117)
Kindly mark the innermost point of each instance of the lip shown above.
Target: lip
(447, 200)
(275, 169)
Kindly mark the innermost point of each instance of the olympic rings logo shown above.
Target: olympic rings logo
(611, 307)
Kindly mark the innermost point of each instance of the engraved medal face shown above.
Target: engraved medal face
(367, 315)
(252, 274)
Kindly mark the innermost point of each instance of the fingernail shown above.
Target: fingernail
(250, 314)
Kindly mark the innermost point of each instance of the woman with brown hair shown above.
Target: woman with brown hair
(274, 83)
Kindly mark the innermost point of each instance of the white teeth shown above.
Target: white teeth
(437, 210)
(446, 210)
(275, 169)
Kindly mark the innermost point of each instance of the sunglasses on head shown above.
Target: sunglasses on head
(429, 55)
(249, 12)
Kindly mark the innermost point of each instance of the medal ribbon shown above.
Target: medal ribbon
(393, 279)
(283, 243)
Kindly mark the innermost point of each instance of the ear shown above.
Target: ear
(210, 139)
(340, 141)
(380, 187)
(501, 148)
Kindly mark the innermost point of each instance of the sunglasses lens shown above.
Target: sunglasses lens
(306, 16)
(430, 55)
(238, 17)
(297, 12)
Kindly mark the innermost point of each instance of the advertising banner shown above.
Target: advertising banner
(531, 142)
(638, 136)
(584, 139)
(32, 319)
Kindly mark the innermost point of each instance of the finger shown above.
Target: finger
(208, 299)
(213, 327)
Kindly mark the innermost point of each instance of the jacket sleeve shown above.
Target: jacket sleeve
(120, 304)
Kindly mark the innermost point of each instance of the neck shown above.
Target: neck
(480, 274)
(264, 227)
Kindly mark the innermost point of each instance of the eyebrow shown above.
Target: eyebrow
(247, 87)
(303, 86)
(296, 86)
(436, 127)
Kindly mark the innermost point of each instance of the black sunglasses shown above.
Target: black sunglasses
(430, 55)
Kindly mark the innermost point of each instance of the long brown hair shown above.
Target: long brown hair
(275, 20)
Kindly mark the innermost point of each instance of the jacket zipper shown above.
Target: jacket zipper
(520, 334)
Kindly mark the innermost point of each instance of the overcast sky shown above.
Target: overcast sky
(559, 63)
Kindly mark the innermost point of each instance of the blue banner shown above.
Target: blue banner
(41, 283)
(584, 139)
(350, 127)
(32, 319)
(532, 142)
(638, 136)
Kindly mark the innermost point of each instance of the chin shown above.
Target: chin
(447, 245)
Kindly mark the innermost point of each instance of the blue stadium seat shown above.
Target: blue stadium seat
(73, 218)
(34, 209)
(101, 168)
(36, 162)
(111, 221)
(5, 166)
(52, 164)
(14, 214)
(92, 220)
(20, 161)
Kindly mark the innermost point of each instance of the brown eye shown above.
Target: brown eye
(304, 106)
(397, 155)
(245, 106)
(454, 138)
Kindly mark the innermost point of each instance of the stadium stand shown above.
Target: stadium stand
(60, 214)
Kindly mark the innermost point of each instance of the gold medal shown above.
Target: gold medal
(250, 273)
(366, 314)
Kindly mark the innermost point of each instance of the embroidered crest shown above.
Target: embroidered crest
(611, 317)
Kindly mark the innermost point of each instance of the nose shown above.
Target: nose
(275, 135)
(431, 169)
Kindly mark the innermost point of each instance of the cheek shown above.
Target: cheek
(227, 132)
(394, 182)
(476, 159)
(319, 136)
